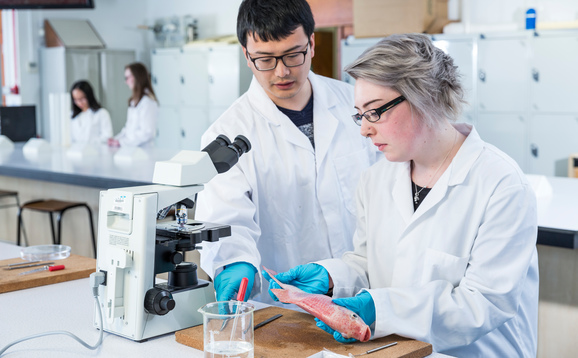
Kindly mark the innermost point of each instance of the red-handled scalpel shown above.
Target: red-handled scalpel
(242, 289)
(49, 268)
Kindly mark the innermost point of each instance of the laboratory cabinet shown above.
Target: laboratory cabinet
(503, 73)
(60, 67)
(552, 138)
(194, 86)
(554, 77)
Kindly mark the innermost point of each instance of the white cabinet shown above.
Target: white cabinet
(555, 73)
(553, 137)
(194, 86)
(526, 96)
(503, 73)
(507, 132)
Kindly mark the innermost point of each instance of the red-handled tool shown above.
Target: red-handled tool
(242, 289)
(49, 268)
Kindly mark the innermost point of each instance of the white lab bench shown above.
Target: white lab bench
(557, 199)
(69, 306)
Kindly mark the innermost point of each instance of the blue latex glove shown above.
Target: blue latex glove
(228, 281)
(362, 304)
(311, 278)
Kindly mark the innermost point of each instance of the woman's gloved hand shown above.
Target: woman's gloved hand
(362, 304)
(311, 278)
(228, 281)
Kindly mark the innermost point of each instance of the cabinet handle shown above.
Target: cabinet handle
(183, 134)
(534, 150)
(536, 75)
(210, 79)
(482, 75)
(155, 80)
(182, 80)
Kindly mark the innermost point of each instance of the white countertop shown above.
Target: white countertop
(99, 170)
(557, 201)
(69, 306)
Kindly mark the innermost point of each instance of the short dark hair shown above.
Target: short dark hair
(86, 88)
(273, 20)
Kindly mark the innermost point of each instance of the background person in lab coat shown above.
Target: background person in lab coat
(290, 199)
(90, 122)
(141, 119)
(445, 245)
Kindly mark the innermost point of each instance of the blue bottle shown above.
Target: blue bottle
(530, 19)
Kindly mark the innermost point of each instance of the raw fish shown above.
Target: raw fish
(339, 318)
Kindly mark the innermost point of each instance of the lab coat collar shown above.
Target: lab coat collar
(455, 174)
(324, 125)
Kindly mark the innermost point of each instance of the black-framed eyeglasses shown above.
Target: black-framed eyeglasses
(373, 115)
(268, 63)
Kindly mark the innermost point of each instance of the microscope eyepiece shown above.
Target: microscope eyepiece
(220, 141)
(241, 145)
(225, 154)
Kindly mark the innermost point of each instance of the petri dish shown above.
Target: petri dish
(45, 252)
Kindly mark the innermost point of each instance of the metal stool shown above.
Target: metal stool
(59, 207)
(13, 194)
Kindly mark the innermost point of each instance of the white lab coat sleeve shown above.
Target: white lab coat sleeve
(105, 125)
(145, 127)
(489, 293)
(349, 273)
(228, 197)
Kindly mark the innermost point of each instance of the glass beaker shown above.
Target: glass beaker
(228, 329)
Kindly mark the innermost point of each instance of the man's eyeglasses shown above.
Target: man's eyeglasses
(268, 63)
(373, 115)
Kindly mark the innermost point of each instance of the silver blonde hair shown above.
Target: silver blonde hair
(411, 65)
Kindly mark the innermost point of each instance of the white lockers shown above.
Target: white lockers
(194, 86)
(522, 89)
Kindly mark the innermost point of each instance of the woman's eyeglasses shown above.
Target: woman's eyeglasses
(373, 115)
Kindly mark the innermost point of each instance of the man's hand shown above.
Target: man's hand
(311, 278)
(228, 281)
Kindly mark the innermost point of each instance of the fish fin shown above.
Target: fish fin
(282, 295)
(272, 274)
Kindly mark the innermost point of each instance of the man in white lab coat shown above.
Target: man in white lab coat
(290, 199)
(445, 244)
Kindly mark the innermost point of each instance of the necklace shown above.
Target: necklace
(417, 192)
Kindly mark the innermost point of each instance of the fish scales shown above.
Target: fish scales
(339, 318)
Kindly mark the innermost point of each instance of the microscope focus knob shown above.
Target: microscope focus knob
(158, 301)
(176, 258)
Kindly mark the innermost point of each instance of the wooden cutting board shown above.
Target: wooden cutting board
(296, 335)
(76, 267)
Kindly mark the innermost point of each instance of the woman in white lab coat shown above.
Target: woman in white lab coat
(90, 122)
(141, 120)
(444, 249)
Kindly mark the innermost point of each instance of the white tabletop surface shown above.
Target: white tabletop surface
(69, 306)
(557, 201)
(98, 170)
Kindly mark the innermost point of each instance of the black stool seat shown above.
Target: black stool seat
(4, 193)
(51, 206)
(9, 193)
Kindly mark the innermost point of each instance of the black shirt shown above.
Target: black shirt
(303, 119)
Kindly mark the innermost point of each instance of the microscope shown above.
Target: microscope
(133, 247)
